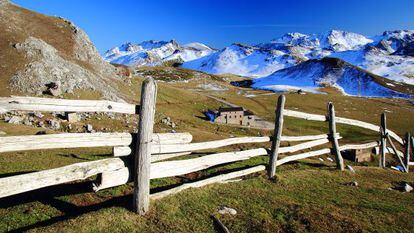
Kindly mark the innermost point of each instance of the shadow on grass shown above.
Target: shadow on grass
(14, 174)
(49, 196)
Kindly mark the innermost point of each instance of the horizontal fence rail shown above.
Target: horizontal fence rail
(211, 180)
(36, 180)
(82, 140)
(17, 103)
(116, 173)
(163, 149)
(181, 167)
(341, 120)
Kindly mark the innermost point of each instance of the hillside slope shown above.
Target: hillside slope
(313, 74)
(38, 50)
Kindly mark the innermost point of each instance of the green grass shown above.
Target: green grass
(308, 196)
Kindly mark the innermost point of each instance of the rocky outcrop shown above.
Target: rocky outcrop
(46, 66)
(85, 50)
(38, 50)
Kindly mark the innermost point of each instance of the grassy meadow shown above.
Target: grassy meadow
(308, 195)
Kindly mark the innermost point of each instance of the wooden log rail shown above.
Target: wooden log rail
(81, 140)
(163, 149)
(115, 167)
(17, 103)
(324, 151)
(341, 120)
(204, 182)
(80, 171)
(36, 180)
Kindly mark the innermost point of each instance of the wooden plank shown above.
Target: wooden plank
(303, 138)
(306, 116)
(143, 149)
(358, 146)
(302, 146)
(407, 151)
(388, 150)
(81, 140)
(20, 103)
(208, 181)
(120, 151)
(160, 157)
(303, 156)
(276, 135)
(332, 137)
(165, 149)
(396, 153)
(383, 142)
(369, 126)
(111, 179)
(36, 180)
(340, 120)
(171, 138)
(181, 167)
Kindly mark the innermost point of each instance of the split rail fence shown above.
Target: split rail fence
(149, 150)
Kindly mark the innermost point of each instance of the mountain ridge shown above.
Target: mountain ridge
(152, 53)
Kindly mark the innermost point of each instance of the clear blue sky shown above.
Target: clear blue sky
(219, 23)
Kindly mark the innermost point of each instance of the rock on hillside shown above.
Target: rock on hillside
(38, 49)
(313, 74)
(47, 66)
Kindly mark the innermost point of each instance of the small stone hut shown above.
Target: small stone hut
(235, 116)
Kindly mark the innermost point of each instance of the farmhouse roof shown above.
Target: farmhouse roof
(231, 109)
(248, 113)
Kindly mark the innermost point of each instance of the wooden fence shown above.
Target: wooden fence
(149, 150)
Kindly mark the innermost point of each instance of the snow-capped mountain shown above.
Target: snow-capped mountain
(314, 74)
(289, 50)
(151, 53)
(389, 55)
(242, 60)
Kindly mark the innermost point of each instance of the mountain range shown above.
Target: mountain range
(389, 56)
(151, 53)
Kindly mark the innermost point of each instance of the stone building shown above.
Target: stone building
(235, 116)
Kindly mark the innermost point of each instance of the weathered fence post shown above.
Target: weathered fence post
(333, 138)
(407, 150)
(277, 135)
(143, 147)
(383, 142)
